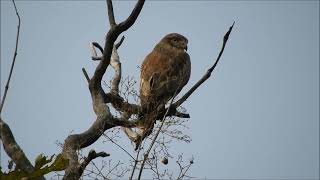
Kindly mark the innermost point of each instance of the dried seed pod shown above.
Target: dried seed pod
(164, 160)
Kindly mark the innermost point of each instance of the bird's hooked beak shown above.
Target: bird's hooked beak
(186, 47)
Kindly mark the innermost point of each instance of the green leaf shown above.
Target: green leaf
(42, 167)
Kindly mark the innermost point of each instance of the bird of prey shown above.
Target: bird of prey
(164, 72)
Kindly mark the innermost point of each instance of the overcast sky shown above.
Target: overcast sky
(256, 117)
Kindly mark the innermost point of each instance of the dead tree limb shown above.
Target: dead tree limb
(112, 20)
(116, 65)
(92, 155)
(13, 149)
(104, 119)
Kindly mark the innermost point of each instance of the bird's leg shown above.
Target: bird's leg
(145, 133)
(132, 135)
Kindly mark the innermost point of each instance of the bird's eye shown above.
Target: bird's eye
(175, 40)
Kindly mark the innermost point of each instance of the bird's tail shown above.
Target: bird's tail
(145, 128)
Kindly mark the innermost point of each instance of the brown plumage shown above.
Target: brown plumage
(164, 72)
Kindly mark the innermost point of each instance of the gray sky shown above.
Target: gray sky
(256, 117)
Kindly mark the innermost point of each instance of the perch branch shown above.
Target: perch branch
(14, 58)
(173, 109)
(181, 115)
(121, 105)
(208, 73)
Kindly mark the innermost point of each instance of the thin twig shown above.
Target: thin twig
(117, 45)
(135, 163)
(14, 58)
(155, 137)
(118, 146)
(208, 74)
(97, 45)
(85, 74)
(156, 164)
(183, 174)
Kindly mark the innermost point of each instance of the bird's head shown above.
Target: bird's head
(175, 41)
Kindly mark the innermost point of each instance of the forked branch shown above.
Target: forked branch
(92, 155)
(112, 35)
(104, 119)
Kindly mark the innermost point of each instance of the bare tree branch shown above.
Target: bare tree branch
(110, 39)
(92, 155)
(117, 102)
(13, 149)
(135, 164)
(183, 169)
(97, 45)
(104, 119)
(112, 21)
(155, 137)
(209, 71)
(121, 105)
(119, 43)
(85, 74)
(94, 53)
(116, 65)
(14, 58)
(118, 146)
